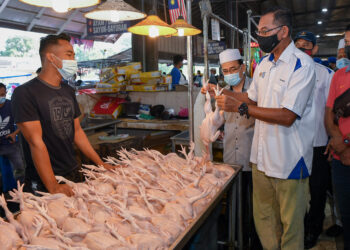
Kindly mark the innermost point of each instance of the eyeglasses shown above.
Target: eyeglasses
(264, 32)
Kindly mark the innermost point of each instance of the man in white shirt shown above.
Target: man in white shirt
(320, 179)
(280, 99)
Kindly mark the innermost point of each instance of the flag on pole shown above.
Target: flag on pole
(174, 10)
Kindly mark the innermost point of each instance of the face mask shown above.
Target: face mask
(268, 43)
(306, 51)
(347, 51)
(343, 62)
(69, 68)
(232, 79)
(2, 100)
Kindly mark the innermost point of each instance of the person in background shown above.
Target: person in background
(213, 78)
(280, 98)
(342, 60)
(198, 78)
(177, 76)
(337, 121)
(325, 63)
(47, 113)
(9, 146)
(332, 63)
(320, 179)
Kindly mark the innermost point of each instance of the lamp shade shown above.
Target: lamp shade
(62, 5)
(115, 11)
(184, 29)
(152, 26)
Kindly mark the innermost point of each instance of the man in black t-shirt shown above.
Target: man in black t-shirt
(46, 111)
(9, 146)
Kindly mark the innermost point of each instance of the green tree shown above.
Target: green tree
(18, 47)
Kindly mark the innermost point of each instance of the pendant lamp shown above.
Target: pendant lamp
(184, 29)
(62, 5)
(115, 11)
(152, 26)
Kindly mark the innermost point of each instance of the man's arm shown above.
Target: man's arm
(83, 143)
(336, 142)
(32, 132)
(280, 116)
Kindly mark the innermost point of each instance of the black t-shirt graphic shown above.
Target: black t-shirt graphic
(55, 108)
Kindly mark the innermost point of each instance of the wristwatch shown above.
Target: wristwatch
(243, 110)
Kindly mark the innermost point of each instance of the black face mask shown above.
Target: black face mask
(306, 51)
(347, 51)
(268, 43)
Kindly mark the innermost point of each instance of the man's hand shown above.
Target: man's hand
(228, 103)
(12, 137)
(108, 166)
(345, 157)
(61, 188)
(210, 87)
(337, 144)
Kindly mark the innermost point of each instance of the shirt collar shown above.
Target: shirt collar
(286, 54)
(347, 69)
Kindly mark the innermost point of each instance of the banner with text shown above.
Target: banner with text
(100, 28)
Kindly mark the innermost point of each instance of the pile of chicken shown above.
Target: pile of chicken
(145, 203)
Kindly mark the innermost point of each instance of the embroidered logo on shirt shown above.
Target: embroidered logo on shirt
(3, 123)
(262, 74)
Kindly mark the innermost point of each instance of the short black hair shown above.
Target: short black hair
(38, 70)
(347, 28)
(282, 16)
(49, 40)
(2, 86)
(177, 59)
(240, 61)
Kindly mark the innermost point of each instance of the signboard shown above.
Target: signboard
(215, 30)
(214, 48)
(100, 28)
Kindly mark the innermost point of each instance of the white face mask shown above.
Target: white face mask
(69, 68)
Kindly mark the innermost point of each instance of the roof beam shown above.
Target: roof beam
(75, 11)
(3, 5)
(35, 19)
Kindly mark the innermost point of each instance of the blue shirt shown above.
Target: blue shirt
(7, 125)
(176, 75)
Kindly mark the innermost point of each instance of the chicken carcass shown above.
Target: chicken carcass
(212, 122)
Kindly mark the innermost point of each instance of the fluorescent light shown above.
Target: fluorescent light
(324, 10)
(318, 36)
(319, 22)
(334, 34)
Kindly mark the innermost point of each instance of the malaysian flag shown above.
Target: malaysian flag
(174, 10)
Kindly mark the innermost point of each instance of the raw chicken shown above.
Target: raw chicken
(212, 122)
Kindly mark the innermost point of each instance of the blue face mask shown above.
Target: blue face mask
(2, 100)
(232, 79)
(343, 62)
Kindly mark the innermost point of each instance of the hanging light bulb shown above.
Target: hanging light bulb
(152, 26)
(184, 29)
(112, 8)
(153, 31)
(60, 6)
(180, 32)
(115, 17)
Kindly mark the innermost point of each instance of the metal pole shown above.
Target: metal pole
(205, 47)
(223, 21)
(190, 72)
(143, 40)
(249, 13)
(240, 212)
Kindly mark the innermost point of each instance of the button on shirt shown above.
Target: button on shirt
(280, 151)
(324, 77)
(238, 136)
